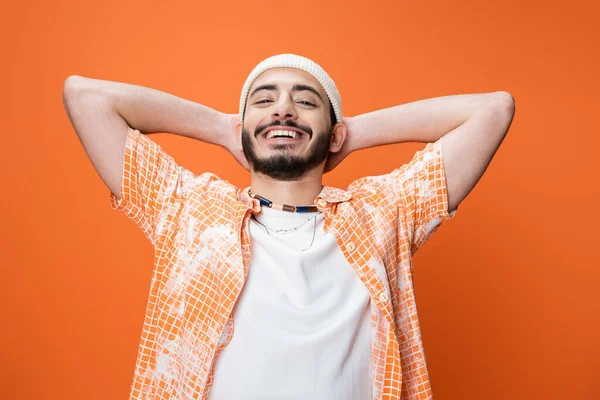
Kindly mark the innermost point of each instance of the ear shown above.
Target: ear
(238, 133)
(338, 137)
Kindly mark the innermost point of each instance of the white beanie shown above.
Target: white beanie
(298, 62)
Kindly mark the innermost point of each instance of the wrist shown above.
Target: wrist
(220, 129)
(353, 136)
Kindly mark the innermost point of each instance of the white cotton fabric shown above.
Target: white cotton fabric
(302, 323)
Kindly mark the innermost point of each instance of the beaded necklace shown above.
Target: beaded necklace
(285, 207)
(282, 207)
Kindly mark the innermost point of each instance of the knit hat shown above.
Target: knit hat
(298, 62)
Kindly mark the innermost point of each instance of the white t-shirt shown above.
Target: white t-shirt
(302, 323)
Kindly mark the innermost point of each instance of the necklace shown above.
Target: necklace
(283, 231)
(313, 236)
(283, 207)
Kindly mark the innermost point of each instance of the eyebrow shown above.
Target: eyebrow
(296, 88)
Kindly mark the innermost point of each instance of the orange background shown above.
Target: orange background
(506, 292)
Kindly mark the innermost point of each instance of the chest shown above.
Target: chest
(203, 263)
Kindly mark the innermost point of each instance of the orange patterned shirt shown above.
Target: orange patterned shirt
(198, 225)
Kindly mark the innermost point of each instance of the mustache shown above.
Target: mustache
(259, 129)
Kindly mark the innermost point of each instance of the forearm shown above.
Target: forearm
(152, 111)
(420, 121)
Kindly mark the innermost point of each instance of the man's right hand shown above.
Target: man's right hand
(230, 142)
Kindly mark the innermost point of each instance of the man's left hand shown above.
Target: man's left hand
(347, 147)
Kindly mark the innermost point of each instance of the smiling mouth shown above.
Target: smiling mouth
(277, 135)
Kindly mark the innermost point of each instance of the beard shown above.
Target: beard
(284, 166)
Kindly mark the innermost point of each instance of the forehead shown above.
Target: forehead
(285, 78)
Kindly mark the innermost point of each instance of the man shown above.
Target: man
(287, 289)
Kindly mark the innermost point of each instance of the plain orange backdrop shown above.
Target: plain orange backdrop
(507, 292)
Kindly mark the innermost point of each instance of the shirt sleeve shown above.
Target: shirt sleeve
(422, 192)
(151, 181)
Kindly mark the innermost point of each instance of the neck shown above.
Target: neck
(301, 192)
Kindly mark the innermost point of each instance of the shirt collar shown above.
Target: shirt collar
(333, 195)
(328, 193)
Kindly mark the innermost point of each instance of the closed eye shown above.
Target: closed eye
(303, 102)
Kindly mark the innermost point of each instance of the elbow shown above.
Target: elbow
(72, 84)
(503, 111)
(505, 102)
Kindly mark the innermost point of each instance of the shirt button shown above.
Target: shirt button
(383, 297)
(350, 246)
(322, 202)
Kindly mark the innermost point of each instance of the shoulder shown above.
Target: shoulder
(208, 184)
(423, 161)
(372, 188)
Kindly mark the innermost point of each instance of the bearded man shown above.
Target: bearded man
(287, 289)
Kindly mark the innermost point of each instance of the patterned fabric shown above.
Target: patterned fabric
(198, 225)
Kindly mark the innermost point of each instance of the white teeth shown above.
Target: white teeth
(291, 134)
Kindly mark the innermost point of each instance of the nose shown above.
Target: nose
(284, 109)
